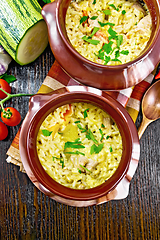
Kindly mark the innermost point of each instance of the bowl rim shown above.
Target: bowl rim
(129, 64)
(28, 142)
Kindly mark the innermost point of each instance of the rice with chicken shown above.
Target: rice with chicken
(79, 145)
(109, 32)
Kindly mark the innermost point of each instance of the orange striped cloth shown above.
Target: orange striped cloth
(57, 78)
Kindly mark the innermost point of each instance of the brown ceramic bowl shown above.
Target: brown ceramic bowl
(96, 75)
(117, 186)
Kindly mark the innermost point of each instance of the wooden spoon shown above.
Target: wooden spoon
(150, 107)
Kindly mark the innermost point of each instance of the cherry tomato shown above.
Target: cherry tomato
(11, 116)
(3, 131)
(5, 86)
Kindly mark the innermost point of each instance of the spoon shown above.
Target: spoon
(150, 107)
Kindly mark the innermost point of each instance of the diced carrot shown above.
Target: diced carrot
(85, 14)
(67, 113)
(101, 35)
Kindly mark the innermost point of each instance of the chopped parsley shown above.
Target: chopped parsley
(77, 153)
(85, 113)
(83, 19)
(113, 34)
(56, 158)
(117, 54)
(84, 168)
(114, 7)
(76, 144)
(61, 160)
(110, 149)
(94, 2)
(104, 24)
(46, 133)
(102, 134)
(77, 121)
(90, 136)
(95, 29)
(116, 60)
(107, 137)
(92, 41)
(94, 17)
(79, 170)
(119, 40)
(107, 47)
(81, 128)
(96, 149)
(102, 125)
(125, 52)
(107, 12)
(107, 59)
(124, 12)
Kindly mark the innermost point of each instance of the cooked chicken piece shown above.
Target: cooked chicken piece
(91, 165)
(93, 23)
(85, 162)
(82, 160)
(101, 36)
(144, 24)
(68, 111)
(107, 122)
(139, 7)
(81, 186)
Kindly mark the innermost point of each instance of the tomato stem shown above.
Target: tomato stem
(10, 96)
(7, 114)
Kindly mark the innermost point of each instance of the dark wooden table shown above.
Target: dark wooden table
(26, 213)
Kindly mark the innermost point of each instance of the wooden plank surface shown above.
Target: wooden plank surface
(26, 213)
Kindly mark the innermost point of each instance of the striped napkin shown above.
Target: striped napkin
(130, 98)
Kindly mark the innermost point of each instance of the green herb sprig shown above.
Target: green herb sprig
(105, 24)
(102, 134)
(61, 160)
(84, 168)
(94, 17)
(114, 7)
(76, 153)
(83, 19)
(76, 144)
(91, 41)
(123, 12)
(96, 149)
(107, 12)
(46, 133)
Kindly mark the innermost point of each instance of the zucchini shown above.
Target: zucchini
(23, 32)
